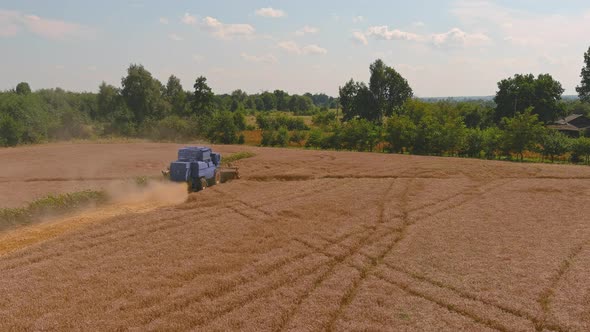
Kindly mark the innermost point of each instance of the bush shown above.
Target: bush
(223, 128)
(10, 131)
(315, 138)
(274, 122)
(298, 137)
(554, 143)
(275, 137)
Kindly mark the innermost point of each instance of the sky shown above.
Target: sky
(443, 48)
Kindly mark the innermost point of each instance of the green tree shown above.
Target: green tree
(203, 98)
(223, 129)
(400, 133)
(584, 88)
(315, 138)
(10, 131)
(108, 99)
(141, 93)
(554, 143)
(298, 137)
(175, 96)
(282, 137)
(23, 88)
(474, 142)
(518, 93)
(385, 95)
(581, 148)
(492, 140)
(522, 132)
(390, 90)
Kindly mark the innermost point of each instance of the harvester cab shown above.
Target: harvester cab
(200, 167)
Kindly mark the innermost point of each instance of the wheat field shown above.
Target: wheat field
(305, 240)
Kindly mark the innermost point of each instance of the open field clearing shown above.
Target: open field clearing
(306, 240)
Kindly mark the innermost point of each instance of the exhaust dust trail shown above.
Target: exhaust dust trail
(125, 198)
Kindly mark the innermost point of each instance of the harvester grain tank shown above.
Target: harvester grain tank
(200, 167)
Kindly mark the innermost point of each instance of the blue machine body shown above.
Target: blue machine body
(194, 163)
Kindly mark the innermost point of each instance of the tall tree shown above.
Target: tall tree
(388, 87)
(175, 95)
(141, 92)
(522, 132)
(584, 88)
(386, 93)
(202, 98)
(23, 88)
(518, 93)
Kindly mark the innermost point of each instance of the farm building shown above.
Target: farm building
(572, 125)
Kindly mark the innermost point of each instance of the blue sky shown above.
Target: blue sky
(443, 48)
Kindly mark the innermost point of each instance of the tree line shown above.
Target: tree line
(141, 107)
(379, 115)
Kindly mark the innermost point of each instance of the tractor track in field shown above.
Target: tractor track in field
(336, 260)
(308, 239)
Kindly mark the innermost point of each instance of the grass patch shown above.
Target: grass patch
(237, 156)
(49, 205)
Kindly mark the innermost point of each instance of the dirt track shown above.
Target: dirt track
(310, 240)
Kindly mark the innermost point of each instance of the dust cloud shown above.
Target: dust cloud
(157, 192)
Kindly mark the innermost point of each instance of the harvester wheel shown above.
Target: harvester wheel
(217, 176)
(203, 183)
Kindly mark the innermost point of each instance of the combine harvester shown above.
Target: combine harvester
(199, 167)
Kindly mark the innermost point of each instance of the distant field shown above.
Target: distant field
(306, 240)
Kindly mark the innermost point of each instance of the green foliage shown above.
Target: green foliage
(400, 133)
(491, 141)
(554, 143)
(385, 95)
(518, 93)
(274, 122)
(583, 89)
(141, 92)
(23, 88)
(49, 205)
(237, 156)
(389, 89)
(223, 128)
(176, 96)
(581, 149)
(10, 131)
(273, 137)
(522, 132)
(324, 118)
(298, 137)
(474, 143)
(315, 138)
(202, 102)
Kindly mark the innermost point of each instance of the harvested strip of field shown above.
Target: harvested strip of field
(311, 240)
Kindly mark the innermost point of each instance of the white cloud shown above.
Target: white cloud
(359, 38)
(306, 29)
(313, 49)
(198, 58)
(293, 47)
(11, 23)
(226, 31)
(451, 39)
(383, 32)
(175, 37)
(163, 20)
(358, 19)
(188, 19)
(270, 12)
(290, 46)
(457, 37)
(267, 58)
(418, 24)
(524, 28)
